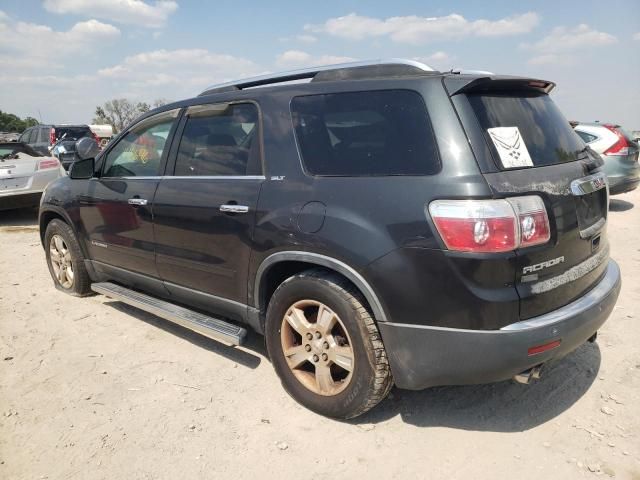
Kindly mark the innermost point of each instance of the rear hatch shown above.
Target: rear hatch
(524, 145)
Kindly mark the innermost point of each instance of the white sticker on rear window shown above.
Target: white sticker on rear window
(510, 146)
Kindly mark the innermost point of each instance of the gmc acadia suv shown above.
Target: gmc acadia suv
(381, 223)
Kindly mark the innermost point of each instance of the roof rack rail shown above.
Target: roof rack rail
(462, 71)
(402, 66)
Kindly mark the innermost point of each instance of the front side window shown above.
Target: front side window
(220, 140)
(372, 133)
(139, 152)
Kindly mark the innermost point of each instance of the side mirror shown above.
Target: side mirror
(82, 169)
(87, 148)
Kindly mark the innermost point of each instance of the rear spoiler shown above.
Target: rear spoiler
(495, 83)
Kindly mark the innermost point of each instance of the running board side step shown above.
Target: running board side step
(213, 328)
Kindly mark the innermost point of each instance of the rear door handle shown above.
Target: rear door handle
(232, 208)
(137, 201)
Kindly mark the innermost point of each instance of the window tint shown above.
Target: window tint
(43, 136)
(587, 137)
(28, 136)
(546, 133)
(139, 152)
(220, 140)
(73, 133)
(365, 134)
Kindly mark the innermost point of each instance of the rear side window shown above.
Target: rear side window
(28, 136)
(372, 133)
(586, 137)
(43, 136)
(547, 135)
(220, 140)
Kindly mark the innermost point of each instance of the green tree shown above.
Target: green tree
(120, 112)
(12, 123)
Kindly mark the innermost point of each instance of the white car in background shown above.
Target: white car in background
(619, 151)
(24, 174)
(103, 133)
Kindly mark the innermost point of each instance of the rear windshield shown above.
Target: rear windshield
(10, 151)
(370, 133)
(73, 133)
(543, 136)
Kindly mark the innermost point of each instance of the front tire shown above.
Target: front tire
(65, 259)
(325, 346)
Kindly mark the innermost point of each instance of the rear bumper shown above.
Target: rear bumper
(623, 185)
(422, 356)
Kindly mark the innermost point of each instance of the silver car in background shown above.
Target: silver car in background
(619, 151)
(24, 174)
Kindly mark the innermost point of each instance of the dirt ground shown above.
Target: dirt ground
(91, 388)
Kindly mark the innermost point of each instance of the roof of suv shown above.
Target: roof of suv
(376, 69)
(340, 71)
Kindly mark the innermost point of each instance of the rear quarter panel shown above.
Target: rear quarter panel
(365, 218)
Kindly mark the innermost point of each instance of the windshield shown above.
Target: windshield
(546, 136)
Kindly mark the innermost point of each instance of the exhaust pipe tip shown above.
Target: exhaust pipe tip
(527, 376)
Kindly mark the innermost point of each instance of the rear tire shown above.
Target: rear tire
(65, 259)
(335, 363)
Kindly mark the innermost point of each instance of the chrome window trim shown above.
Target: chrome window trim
(188, 177)
(215, 177)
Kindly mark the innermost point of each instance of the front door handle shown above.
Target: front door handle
(137, 201)
(232, 208)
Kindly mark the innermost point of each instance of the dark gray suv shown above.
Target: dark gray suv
(380, 223)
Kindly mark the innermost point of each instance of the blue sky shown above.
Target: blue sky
(61, 58)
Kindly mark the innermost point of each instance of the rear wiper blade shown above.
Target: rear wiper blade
(592, 159)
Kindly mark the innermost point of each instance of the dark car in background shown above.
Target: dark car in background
(383, 223)
(43, 138)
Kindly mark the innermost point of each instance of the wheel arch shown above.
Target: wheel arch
(49, 213)
(292, 262)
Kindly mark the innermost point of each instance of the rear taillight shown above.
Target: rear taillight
(532, 219)
(491, 225)
(96, 137)
(48, 163)
(621, 147)
(52, 136)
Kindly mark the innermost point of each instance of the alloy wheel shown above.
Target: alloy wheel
(61, 261)
(317, 347)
